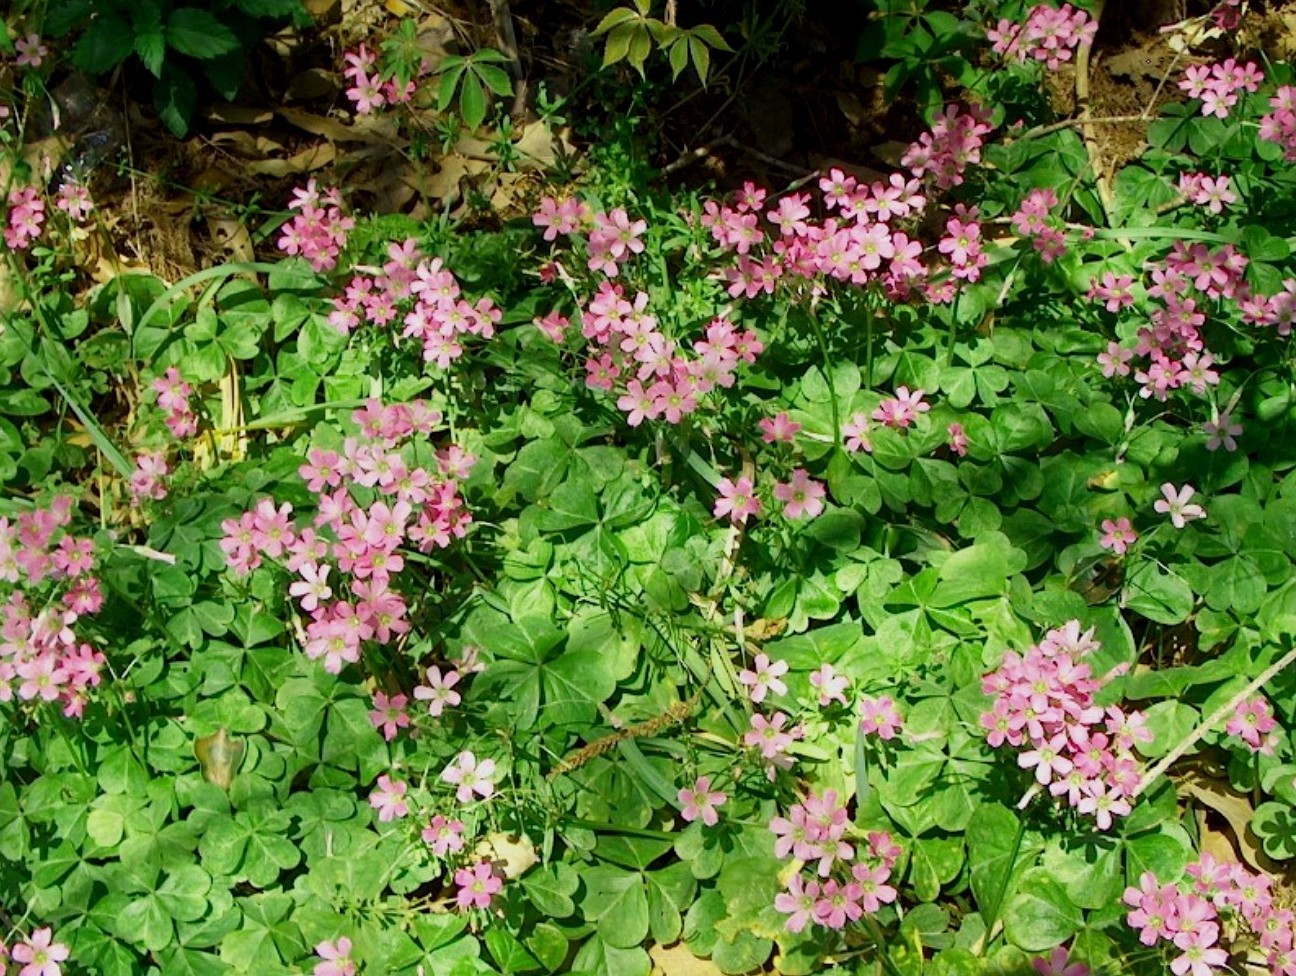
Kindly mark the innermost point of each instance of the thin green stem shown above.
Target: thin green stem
(828, 378)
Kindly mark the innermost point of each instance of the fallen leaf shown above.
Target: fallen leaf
(516, 855)
(676, 960)
(1234, 807)
(219, 755)
(312, 158)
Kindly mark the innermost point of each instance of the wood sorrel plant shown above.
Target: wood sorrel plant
(885, 575)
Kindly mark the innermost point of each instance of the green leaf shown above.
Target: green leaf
(550, 889)
(1040, 916)
(174, 97)
(150, 41)
(496, 79)
(617, 900)
(1159, 594)
(106, 45)
(1170, 723)
(994, 856)
(701, 56)
(1275, 824)
(199, 34)
(1161, 852)
(472, 101)
(615, 18)
(618, 43)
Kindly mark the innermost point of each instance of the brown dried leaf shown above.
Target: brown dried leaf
(1234, 807)
(240, 114)
(676, 960)
(309, 159)
(365, 128)
(219, 755)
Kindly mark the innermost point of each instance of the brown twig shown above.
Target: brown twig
(1044, 130)
(1211, 721)
(1083, 58)
(506, 38)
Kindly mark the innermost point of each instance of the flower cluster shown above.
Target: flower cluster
(953, 144)
(148, 478)
(1279, 124)
(411, 505)
(48, 573)
(1213, 898)
(1049, 35)
(631, 356)
(1253, 722)
(173, 395)
(369, 91)
(26, 217)
(837, 891)
(318, 229)
(1044, 705)
(1034, 221)
(1172, 344)
(1218, 85)
(424, 296)
(38, 954)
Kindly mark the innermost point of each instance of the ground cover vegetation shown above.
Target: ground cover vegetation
(587, 570)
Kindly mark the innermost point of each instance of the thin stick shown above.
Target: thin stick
(1043, 130)
(506, 37)
(1211, 721)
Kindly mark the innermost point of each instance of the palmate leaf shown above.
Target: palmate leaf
(102, 49)
(199, 34)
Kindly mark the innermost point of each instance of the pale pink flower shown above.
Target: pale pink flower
(337, 958)
(389, 798)
(801, 496)
(1177, 505)
(700, 801)
(470, 777)
(737, 499)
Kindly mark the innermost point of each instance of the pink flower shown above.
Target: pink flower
(1252, 721)
(832, 686)
(31, 52)
(439, 691)
(880, 717)
(765, 678)
(798, 902)
(337, 958)
(389, 714)
(958, 442)
(1058, 964)
(874, 892)
(856, 432)
(477, 885)
(1118, 535)
(444, 836)
(779, 429)
(1176, 504)
(470, 777)
(389, 798)
(801, 496)
(1221, 431)
(701, 801)
(40, 954)
(737, 500)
